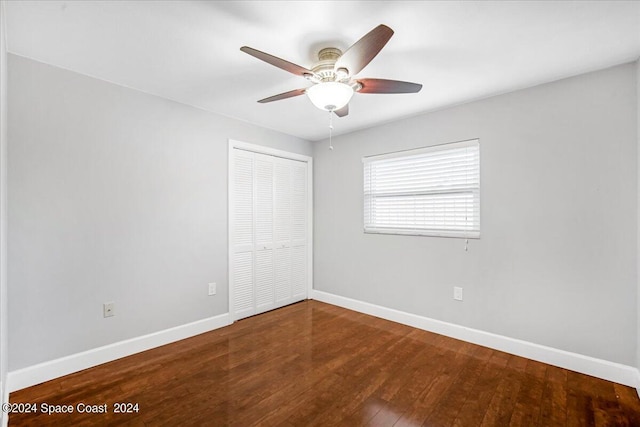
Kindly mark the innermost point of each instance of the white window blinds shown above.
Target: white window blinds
(433, 191)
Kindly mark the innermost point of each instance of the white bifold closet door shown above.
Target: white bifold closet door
(269, 233)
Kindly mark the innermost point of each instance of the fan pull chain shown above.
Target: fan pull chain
(330, 129)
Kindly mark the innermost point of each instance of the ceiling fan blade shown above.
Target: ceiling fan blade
(364, 50)
(387, 86)
(342, 111)
(278, 62)
(285, 95)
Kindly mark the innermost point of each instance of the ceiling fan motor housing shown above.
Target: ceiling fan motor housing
(327, 60)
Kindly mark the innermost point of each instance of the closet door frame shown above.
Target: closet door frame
(260, 149)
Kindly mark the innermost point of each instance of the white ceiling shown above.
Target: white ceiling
(188, 51)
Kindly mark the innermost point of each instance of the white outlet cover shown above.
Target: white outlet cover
(212, 288)
(108, 309)
(457, 293)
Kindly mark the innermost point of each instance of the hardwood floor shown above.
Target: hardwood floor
(313, 364)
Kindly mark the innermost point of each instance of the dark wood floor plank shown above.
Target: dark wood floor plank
(579, 397)
(440, 380)
(475, 407)
(628, 402)
(527, 411)
(554, 398)
(411, 375)
(385, 415)
(313, 364)
(456, 395)
(363, 379)
(503, 402)
(606, 406)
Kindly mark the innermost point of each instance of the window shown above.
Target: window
(432, 191)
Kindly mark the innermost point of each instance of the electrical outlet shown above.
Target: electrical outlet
(212, 288)
(457, 293)
(108, 309)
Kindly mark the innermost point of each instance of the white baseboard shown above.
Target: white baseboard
(604, 369)
(46, 371)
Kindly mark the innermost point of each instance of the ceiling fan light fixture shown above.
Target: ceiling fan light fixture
(342, 73)
(330, 96)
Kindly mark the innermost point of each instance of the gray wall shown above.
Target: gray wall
(3, 202)
(556, 261)
(638, 254)
(114, 195)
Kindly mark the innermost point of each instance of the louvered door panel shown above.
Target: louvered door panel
(243, 198)
(264, 200)
(299, 202)
(243, 273)
(282, 202)
(282, 275)
(299, 272)
(263, 182)
(243, 284)
(265, 292)
(299, 230)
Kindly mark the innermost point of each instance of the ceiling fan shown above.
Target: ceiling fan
(333, 76)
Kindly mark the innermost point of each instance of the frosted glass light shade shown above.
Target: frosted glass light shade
(330, 96)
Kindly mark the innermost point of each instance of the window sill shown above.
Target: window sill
(425, 233)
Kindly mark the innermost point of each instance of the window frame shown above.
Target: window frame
(464, 234)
